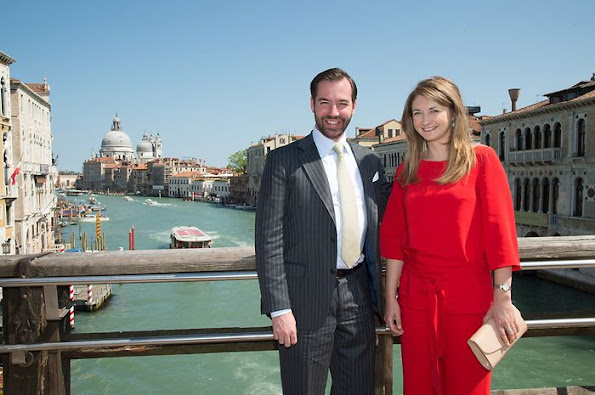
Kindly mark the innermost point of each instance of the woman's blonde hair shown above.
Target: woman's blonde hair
(461, 157)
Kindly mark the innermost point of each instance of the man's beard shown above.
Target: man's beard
(331, 133)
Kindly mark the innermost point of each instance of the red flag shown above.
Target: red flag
(13, 177)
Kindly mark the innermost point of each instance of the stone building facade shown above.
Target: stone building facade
(8, 188)
(548, 151)
(32, 145)
(257, 154)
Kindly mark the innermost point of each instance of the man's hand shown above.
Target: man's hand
(392, 315)
(284, 329)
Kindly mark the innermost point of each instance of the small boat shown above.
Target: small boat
(189, 237)
(127, 198)
(150, 202)
(93, 218)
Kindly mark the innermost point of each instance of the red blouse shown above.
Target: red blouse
(443, 231)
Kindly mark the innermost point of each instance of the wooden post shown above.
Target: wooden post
(25, 320)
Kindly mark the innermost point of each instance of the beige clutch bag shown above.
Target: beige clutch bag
(487, 345)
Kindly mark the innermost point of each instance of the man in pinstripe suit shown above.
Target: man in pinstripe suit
(322, 309)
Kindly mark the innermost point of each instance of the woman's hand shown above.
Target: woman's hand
(505, 316)
(392, 315)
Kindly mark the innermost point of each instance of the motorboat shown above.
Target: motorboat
(189, 237)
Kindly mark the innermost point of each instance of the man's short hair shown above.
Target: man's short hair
(334, 74)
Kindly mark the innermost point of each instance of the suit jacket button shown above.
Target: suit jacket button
(333, 239)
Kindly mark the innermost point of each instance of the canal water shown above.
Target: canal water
(533, 363)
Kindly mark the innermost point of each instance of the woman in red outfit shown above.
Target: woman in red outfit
(449, 237)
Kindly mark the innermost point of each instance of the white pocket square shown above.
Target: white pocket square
(376, 177)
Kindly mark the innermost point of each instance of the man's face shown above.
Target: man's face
(333, 107)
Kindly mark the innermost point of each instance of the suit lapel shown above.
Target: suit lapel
(315, 170)
(364, 170)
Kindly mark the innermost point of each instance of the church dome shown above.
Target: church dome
(145, 145)
(114, 139)
(116, 142)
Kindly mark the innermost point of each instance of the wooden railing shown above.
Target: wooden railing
(38, 348)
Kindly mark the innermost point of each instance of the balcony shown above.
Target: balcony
(531, 218)
(537, 156)
(11, 192)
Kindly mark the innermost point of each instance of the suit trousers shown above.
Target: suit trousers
(345, 344)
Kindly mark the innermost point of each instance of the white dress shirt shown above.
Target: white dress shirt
(328, 156)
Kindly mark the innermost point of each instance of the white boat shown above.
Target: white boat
(127, 198)
(189, 237)
(150, 202)
(93, 218)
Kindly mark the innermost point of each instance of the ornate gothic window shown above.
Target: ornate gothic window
(578, 197)
(581, 134)
(518, 194)
(547, 136)
(535, 195)
(526, 195)
(501, 146)
(537, 134)
(519, 140)
(528, 139)
(557, 135)
(545, 195)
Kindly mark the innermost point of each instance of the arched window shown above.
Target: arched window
(545, 195)
(528, 139)
(488, 140)
(578, 197)
(547, 136)
(557, 135)
(519, 140)
(555, 195)
(535, 195)
(537, 134)
(526, 195)
(501, 146)
(518, 194)
(3, 98)
(581, 132)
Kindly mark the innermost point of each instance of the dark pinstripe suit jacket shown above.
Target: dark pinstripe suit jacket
(295, 238)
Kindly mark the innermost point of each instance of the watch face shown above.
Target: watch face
(504, 287)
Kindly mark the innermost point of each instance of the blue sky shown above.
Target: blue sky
(214, 76)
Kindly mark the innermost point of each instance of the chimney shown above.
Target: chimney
(514, 95)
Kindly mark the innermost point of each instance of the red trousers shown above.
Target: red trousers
(436, 358)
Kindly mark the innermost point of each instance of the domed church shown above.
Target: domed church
(149, 148)
(116, 143)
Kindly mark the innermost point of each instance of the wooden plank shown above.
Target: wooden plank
(233, 259)
(135, 262)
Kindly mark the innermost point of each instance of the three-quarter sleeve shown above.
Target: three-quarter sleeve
(393, 233)
(499, 228)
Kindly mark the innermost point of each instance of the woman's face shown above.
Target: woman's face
(431, 120)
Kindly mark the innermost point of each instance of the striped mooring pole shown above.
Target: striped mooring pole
(71, 313)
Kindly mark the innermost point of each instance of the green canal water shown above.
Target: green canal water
(533, 363)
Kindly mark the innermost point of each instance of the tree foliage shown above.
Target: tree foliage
(238, 161)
